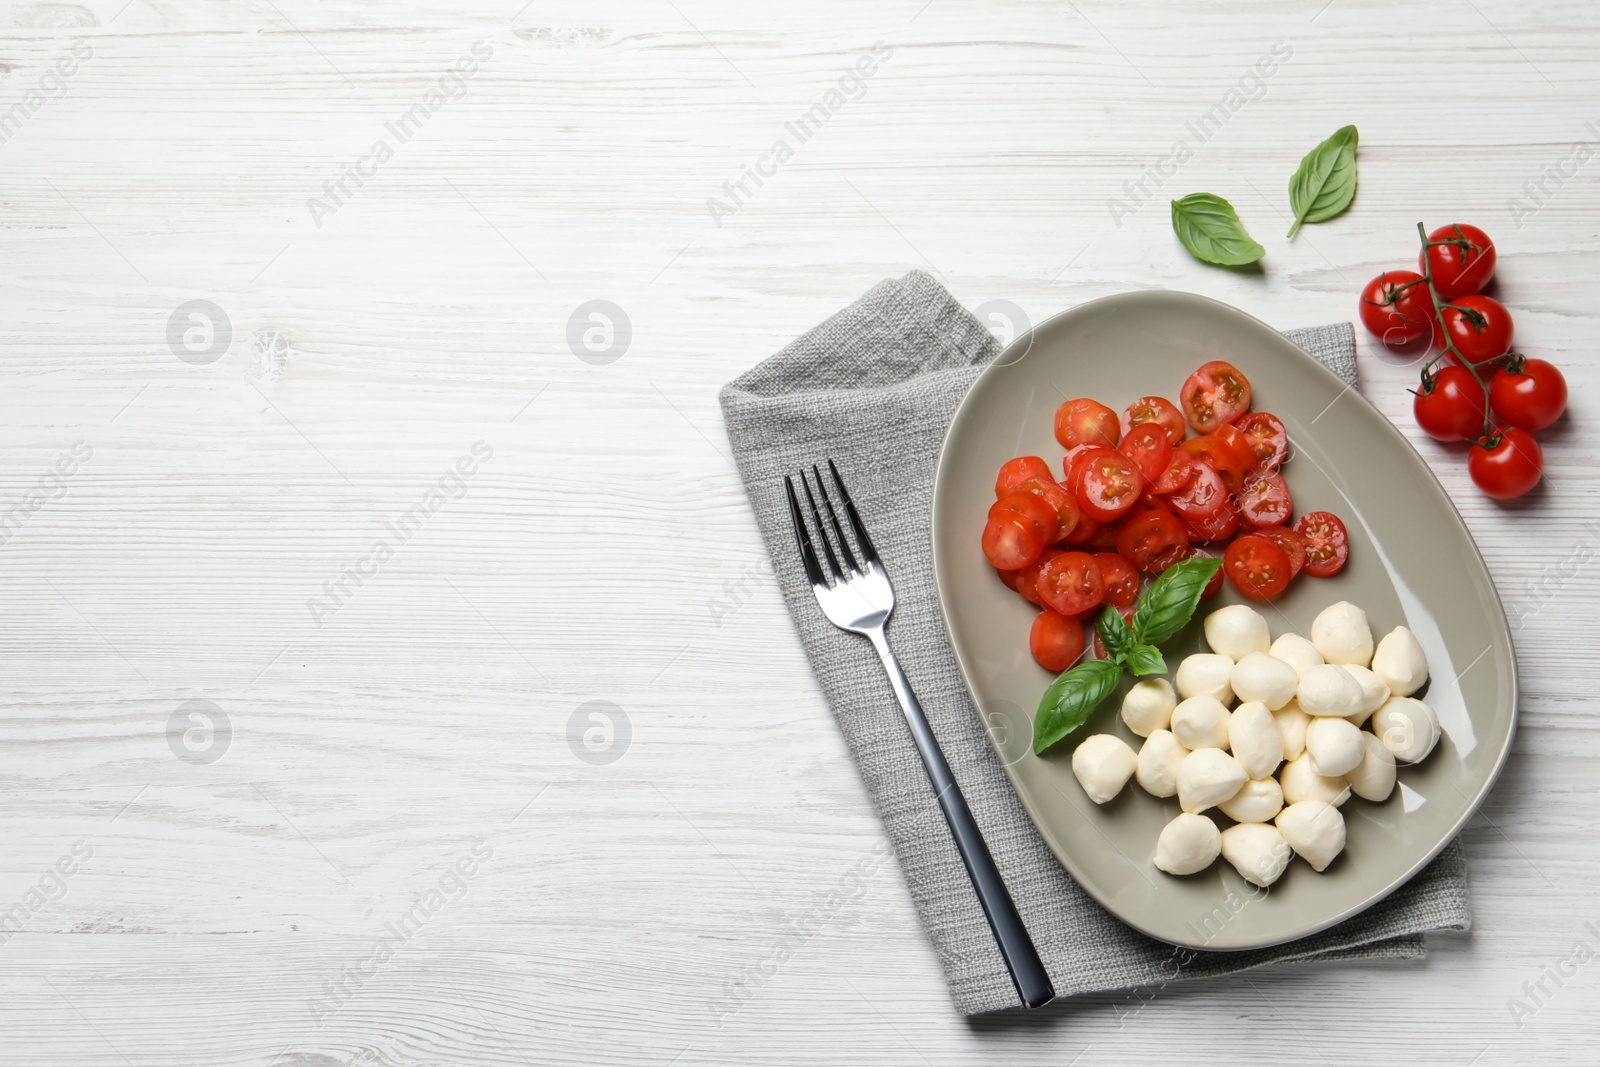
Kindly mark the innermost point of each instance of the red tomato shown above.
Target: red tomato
(1268, 440)
(1009, 578)
(1479, 333)
(1055, 641)
(1042, 515)
(1072, 465)
(1179, 470)
(1327, 543)
(1202, 496)
(1293, 545)
(1508, 467)
(1064, 504)
(1256, 566)
(1086, 422)
(1215, 394)
(1214, 586)
(1149, 535)
(1028, 577)
(1264, 500)
(1159, 410)
(1099, 645)
(1013, 472)
(1121, 578)
(1396, 308)
(1241, 445)
(1071, 584)
(1227, 460)
(1462, 265)
(1214, 527)
(1449, 405)
(1087, 529)
(1147, 445)
(1109, 484)
(1011, 541)
(1106, 537)
(1531, 394)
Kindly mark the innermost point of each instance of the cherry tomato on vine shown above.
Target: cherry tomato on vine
(1462, 266)
(1267, 438)
(1396, 308)
(1479, 333)
(1327, 542)
(1508, 465)
(1156, 409)
(1531, 394)
(1087, 422)
(1449, 405)
(1056, 640)
(1215, 394)
(1259, 568)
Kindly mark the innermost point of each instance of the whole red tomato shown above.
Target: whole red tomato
(1507, 464)
(1396, 308)
(1480, 331)
(1463, 264)
(1531, 393)
(1449, 405)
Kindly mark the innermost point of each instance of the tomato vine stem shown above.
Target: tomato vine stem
(1472, 315)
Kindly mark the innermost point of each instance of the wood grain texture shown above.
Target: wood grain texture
(644, 911)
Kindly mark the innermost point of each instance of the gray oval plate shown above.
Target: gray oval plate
(1412, 562)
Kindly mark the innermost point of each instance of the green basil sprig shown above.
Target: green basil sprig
(1210, 229)
(1325, 182)
(1166, 607)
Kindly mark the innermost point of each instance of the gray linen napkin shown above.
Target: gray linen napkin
(874, 387)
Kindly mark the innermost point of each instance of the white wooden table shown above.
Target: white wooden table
(381, 838)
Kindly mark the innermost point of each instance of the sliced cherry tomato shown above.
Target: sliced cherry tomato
(1179, 470)
(1293, 545)
(1268, 440)
(1509, 467)
(1055, 640)
(1086, 530)
(1214, 395)
(1042, 515)
(1462, 266)
(1009, 578)
(1531, 393)
(1071, 584)
(1028, 577)
(1264, 499)
(1148, 535)
(1256, 566)
(1396, 308)
(1327, 543)
(1478, 326)
(1072, 465)
(1109, 483)
(1240, 444)
(1099, 645)
(1159, 410)
(1121, 578)
(1064, 504)
(1214, 527)
(1087, 422)
(1013, 472)
(1105, 538)
(1224, 457)
(1011, 541)
(1449, 405)
(1202, 496)
(1147, 445)
(1214, 586)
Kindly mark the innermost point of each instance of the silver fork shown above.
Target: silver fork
(860, 599)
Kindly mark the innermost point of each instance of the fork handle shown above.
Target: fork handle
(1022, 959)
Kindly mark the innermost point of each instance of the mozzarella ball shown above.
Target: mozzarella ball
(1334, 745)
(1257, 851)
(1258, 800)
(1103, 764)
(1265, 678)
(1159, 759)
(1297, 652)
(1329, 690)
(1236, 631)
(1205, 674)
(1254, 740)
(1315, 830)
(1373, 778)
(1148, 706)
(1407, 727)
(1206, 778)
(1301, 782)
(1292, 723)
(1341, 634)
(1400, 663)
(1188, 844)
(1373, 692)
(1201, 722)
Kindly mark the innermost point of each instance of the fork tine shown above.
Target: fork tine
(833, 516)
(822, 531)
(808, 554)
(868, 553)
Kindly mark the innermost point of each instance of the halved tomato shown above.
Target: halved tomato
(1011, 541)
(1214, 395)
(1293, 545)
(1064, 503)
(1214, 527)
(1180, 468)
(1056, 641)
(1028, 577)
(1327, 543)
(1230, 462)
(1088, 527)
(1159, 410)
(1264, 499)
(1121, 578)
(1041, 514)
(1087, 422)
(1150, 535)
(1071, 584)
(1147, 445)
(1013, 472)
(1202, 496)
(1259, 568)
(1267, 438)
(1109, 483)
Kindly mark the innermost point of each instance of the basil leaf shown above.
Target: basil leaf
(1210, 229)
(1170, 602)
(1325, 182)
(1145, 659)
(1114, 633)
(1071, 698)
